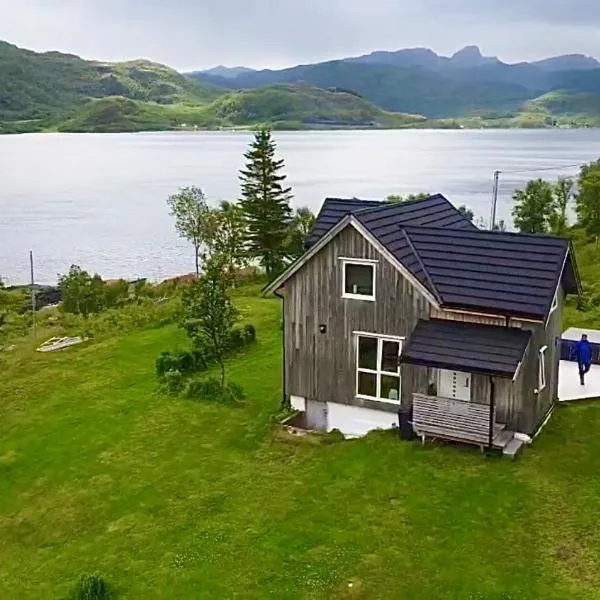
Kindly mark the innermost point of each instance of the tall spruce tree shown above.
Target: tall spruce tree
(265, 203)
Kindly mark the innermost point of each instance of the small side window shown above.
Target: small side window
(542, 369)
(358, 280)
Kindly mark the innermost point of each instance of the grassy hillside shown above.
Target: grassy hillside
(303, 105)
(169, 498)
(44, 87)
(116, 114)
(288, 107)
(401, 89)
(418, 81)
(49, 91)
(567, 104)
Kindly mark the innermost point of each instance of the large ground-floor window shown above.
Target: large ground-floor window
(378, 367)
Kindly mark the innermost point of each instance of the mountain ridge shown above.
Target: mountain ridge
(417, 80)
(60, 91)
(468, 56)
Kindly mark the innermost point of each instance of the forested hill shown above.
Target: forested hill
(409, 88)
(49, 85)
(420, 81)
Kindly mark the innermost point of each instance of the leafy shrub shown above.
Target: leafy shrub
(185, 362)
(164, 363)
(211, 389)
(202, 357)
(173, 382)
(202, 360)
(249, 333)
(90, 587)
(234, 391)
(242, 337)
(236, 339)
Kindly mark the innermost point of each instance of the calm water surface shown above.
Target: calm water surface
(99, 200)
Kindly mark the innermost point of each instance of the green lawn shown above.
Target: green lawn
(169, 498)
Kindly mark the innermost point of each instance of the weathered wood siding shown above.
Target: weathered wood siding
(322, 366)
(505, 391)
(533, 406)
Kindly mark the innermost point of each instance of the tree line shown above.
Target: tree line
(545, 206)
(261, 227)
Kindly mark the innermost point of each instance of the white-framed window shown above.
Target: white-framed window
(378, 367)
(358, 278)
(542, 368)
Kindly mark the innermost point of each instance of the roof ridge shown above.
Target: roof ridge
(477, 231)
(375, 202)
(422, 265)
(384, 204)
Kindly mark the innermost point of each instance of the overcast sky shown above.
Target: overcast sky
(194, 34)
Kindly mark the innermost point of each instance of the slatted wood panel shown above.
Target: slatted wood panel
(322, 366)
(466, 317)
(451, 419)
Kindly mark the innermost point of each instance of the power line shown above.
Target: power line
(534, 169)
(530, 170)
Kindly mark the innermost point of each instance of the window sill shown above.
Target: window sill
(358, 297)
(380, 400)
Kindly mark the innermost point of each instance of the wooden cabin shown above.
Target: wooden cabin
(410, 306)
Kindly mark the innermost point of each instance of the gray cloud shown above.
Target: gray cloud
(200, 33)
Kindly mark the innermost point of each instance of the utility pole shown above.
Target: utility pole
(32, 291)
(494, 200)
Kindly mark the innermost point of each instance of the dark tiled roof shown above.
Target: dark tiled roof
(462, 266)
(332, 212)
(505, 273)
(434, 211)
(472, 348)
(385, 222)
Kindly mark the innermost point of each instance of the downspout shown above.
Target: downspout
(284, 403)
(492, 411)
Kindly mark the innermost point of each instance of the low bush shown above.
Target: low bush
(236, 340)
(202, 357)
(211, 389)
(90, 587)
(249, 333)
(173, 382)
(186, 362)
(164, 363)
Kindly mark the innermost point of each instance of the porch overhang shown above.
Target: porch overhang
(468, 347)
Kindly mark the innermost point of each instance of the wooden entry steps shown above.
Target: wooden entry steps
(509, 444)
(513, 448)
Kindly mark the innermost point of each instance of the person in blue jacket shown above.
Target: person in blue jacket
(583, 355)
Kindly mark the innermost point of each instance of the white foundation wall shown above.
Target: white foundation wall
(298, 403)
(355, 421)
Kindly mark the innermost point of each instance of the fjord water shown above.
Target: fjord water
(99, 200)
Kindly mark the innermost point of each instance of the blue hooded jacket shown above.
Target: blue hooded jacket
(583, 352)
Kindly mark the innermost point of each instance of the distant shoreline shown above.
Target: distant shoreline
(249, 128)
